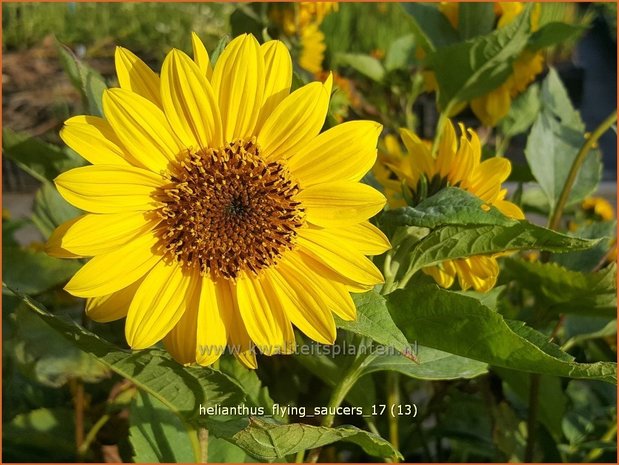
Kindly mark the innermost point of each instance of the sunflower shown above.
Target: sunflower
(456, 164)
(217, 214)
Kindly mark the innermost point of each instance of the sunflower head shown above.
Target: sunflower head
(217, 213)
(457, 164)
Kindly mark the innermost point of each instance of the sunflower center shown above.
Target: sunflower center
(227, 210)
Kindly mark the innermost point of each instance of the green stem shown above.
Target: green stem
(393, 399)
(337, 397)
(300, 456)
(555, 219)
(92, 434)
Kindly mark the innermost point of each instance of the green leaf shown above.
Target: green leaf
(566, 291)
(222, 451)
(450, 206)
(181, 389)
(452, 242)
(84, 78)
(554, 33)
(51, 210)
(373, 321)
(400, 53)
(475, 19)
(268, 441)
(48, 357)
(431, 27)
(365, 64)
(221, 45)
(482, 63)
(157, 435)
(42, 161)
(522, 112)
(554, 141)
(256, 394)
(588, 260)
(432, 365)
(461, 325)
(18, 264)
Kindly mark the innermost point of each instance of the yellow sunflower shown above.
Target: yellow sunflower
(217, 213)
(457, 164)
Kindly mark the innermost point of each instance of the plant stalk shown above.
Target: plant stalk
(337, 397)
(557, 212)
(203, 439)
(393, 399)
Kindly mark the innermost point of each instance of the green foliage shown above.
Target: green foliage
(555, 139)
(272, 442)
(463, 229)
(431, 27)
(564, 291)
(85, 79)
(482, 63)
(157, 435)
(461, 325)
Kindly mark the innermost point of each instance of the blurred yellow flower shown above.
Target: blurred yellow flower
(599, 207)
(303, 20)
(312, 48)
(456, 164)
(217, 214)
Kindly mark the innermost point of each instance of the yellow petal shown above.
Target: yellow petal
(247, 358)
(480, 272)
(444, 274)
(278, 77)
(212, 333)
(142, 127)
(364, 237)
(340, 257)
(94, 139)
(262, 324)
(111, 272)
(135, 75)
(181, 341)
(200, 56)
(53, 246)
(330, 275)
(421, 160)
(109, 188)
(345, 152)
(296, 121)
(238, 82)
(340, 203)
(333, 294)
(158, 305)
(485, 181)
(111, 307)
(189, 102)
(509, 209)
(447, 149)
(98, 234)
(303, 309)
